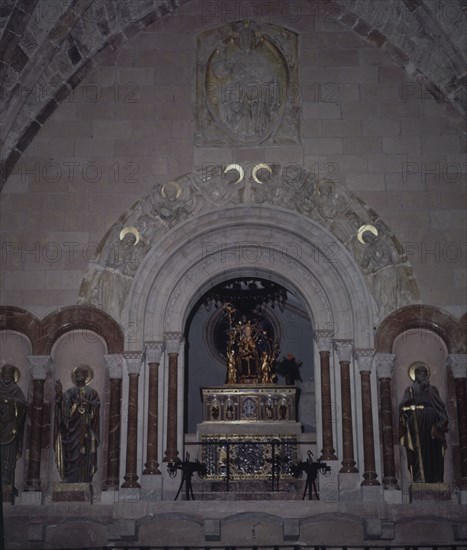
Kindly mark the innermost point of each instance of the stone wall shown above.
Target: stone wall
(129, 125)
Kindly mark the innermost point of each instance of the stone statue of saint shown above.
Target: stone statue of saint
(424, 423)
(13, 409)
(77, 428)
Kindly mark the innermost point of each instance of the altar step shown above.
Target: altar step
(249, 490)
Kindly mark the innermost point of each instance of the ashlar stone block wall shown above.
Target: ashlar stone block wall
(130, 125)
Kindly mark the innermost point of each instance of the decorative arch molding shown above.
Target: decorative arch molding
(20, 320)
(284, 210)
(421, 316)
(178, 272)
(79, 38)
(43, 333)
(80, 318)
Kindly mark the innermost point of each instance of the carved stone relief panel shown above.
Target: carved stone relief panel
(247, 85)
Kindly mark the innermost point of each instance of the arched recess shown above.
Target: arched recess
(70, 318)
(420, 317)
(209, 249)
(19, 320)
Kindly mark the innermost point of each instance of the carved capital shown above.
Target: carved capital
(384, 364)
(114, 364)
(154, 351)
(457, 362)
(344, 349)
(133, 361)
(39, 365)
(364, 359)
(173, 341)
(323, 339)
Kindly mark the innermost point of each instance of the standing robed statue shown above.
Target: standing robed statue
(424, 423)
(13, 409)
(77, 428)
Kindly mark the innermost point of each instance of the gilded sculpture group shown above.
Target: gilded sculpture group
(250, 352)
(424, 420)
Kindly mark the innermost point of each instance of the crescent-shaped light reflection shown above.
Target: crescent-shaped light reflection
(241, 173)
(132, 230)
(257, 168)
(364, 229)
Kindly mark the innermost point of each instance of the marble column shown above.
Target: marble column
(458, 365)
(115, 371)
(173, 342)
(133, 364)
(344, 353)
(364, 359)
(324, 343)
(154, 352)
(384, 368)
(39, 364)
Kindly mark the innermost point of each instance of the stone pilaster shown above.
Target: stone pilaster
(458, 365)
(133, 364)
(364, 359)
(115, 363)
(173, 341)
(384, 363)
(344, 354)
(39, 365)
(154, 352)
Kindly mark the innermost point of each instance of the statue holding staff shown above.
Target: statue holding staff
(424, 423)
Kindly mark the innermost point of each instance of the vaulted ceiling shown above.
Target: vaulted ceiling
(48, 48)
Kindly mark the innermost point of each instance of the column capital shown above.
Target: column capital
(114, 364)
(39, 365)
(344, 349)
(154, 351)
(323, 339)
(173, 341)
(457, 362)
(384, 364)
(364, 357)
(133, 361)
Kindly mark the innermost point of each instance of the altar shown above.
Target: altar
(249, 432)
(249, 428)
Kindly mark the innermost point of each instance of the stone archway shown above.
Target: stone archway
(218, 208)
(271, 221)
(246, 241)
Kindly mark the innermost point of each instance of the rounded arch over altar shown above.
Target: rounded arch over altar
(249, 240)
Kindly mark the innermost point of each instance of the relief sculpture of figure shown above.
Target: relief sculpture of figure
(378, 264)
(13, 409)
(424, 423)
(77, 428)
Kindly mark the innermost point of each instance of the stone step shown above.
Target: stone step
(248, 490)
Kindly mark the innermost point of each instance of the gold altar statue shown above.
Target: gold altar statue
(250, 351)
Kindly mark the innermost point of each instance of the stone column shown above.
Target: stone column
(133, 364)
(115, 370)
(173, 341)
(458, 365)
(364, 359)
(384, 368)
(154, 352)
(324, 343)
(344, 353)
(39, 365)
